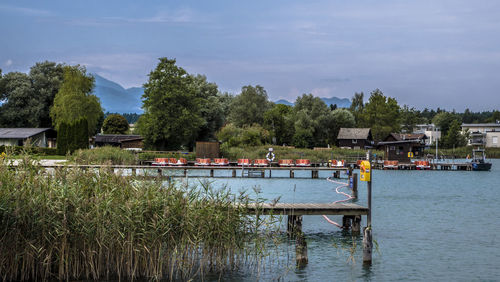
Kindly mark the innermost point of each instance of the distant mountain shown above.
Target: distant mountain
(116, 99)
(341, 103)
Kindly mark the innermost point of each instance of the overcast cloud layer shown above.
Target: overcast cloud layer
(424, 53)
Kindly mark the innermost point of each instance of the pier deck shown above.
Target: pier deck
(308, 209)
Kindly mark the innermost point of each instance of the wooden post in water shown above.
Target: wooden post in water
(185, 172)
(355, 186)
(356, 224)
(291, 174)
(234, 172)
(134, 172)
(294, 230)
(367, 238)
(159, 172)
(314, 174)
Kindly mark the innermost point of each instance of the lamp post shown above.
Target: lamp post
(435, 136)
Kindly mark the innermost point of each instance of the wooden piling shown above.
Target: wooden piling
(134, 172)
(159, 173)
(292, 174)
(314, 174)
(211, 173)
(355, 186)
(346, 222)
(356, 224)
(367, 245)
(301, 250)
(234, 173)
(185, 172)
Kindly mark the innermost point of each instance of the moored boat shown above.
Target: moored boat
(220, 162)
(261, 162)
(244, 162)
(202, 162)
(422, 165)
(303, 162)
(286, 163)
(478, 161)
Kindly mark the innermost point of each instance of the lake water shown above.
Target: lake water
(429, 225)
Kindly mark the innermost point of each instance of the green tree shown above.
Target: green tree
(28, 98)
(171, 116)
(311, 121)
(211, 107)
(73, 101)
(249, 107)
(454, 137)
(339, 118)
(409, 118)
(115, 124)
(357, 107)
(443, 121)
(381, 114)
(279, 122)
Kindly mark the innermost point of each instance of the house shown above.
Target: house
(430, 131)
(355, 138)
(38, 137)
(130, 142)
(483, 134)
(403, 147)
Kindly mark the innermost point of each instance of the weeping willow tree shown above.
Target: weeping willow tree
(74, 100)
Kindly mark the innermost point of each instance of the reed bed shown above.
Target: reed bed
(75, 224)
(104, 155)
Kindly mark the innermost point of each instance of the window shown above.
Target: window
(354, 141)
(494, 140)
(392, 148)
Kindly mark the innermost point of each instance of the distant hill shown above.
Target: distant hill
(116, 99)
(341, 103)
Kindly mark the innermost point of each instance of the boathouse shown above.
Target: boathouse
(38, 137)
(355, 138)
(403, 147)
(123, 141)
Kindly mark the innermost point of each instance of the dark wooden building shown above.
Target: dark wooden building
(400, 147)
(355, 138)
(117, 140)
(207, 149)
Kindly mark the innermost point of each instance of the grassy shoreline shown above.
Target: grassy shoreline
(75, 224)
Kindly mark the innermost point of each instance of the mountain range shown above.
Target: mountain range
(116, 99)
(340, 102)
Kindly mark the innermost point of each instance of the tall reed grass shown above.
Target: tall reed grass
(76, 224)
(104, 155)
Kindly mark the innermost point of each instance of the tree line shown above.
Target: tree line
(182, 108)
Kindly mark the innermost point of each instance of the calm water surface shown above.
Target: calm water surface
(429, 225)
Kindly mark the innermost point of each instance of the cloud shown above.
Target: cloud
(8, 63)
(25, 11)
(179, 16)
(127, 69)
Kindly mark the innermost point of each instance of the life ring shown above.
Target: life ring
(270, 156)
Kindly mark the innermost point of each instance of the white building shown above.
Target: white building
(487, 134)
(430, 131)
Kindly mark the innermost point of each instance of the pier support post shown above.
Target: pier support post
(211, 173)
(234, 172)
(356, 224)
(314, 174)
(367, 245)
(336, 174)
(301, 250)
(134, 172)
(263, 173)
(292, 174)
(185, 172)
(346, 222)
(355, 186)
(159, 173)
(294, 230)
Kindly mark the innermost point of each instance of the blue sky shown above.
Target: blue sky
(424, 53)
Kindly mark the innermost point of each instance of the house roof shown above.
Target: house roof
(354, 133)
(21, 133)
(116, 138)
(481, 125)
(404, 137)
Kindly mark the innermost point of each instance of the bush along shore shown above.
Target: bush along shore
(74, 224)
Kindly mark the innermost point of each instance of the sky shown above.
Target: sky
(423, 53)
